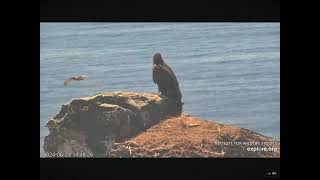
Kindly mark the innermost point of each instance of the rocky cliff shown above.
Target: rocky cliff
(128, 124)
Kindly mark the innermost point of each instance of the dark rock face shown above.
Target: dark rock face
(91, 125)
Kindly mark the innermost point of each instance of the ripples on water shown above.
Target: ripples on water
(228, 72)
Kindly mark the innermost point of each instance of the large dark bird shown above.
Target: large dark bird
(75, 78)
(165, 78)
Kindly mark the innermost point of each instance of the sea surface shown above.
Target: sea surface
(228, 72)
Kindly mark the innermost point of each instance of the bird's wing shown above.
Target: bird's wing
(167, 67)
(84, 77)
(172, 79)
(66, 82)
(169, 73)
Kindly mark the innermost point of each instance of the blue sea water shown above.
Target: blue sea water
(228, 72)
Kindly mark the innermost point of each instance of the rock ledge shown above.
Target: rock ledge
(129, 124)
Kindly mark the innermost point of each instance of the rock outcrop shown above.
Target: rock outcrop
(128, 124)
(90, 125)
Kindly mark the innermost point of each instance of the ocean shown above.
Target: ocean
(228, 72)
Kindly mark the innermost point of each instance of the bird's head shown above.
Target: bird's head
(157, 59)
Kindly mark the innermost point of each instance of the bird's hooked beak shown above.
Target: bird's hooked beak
(155, 67)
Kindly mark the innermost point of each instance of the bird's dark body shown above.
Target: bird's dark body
(165, 78)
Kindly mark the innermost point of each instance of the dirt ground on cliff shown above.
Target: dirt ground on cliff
(186, 136)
